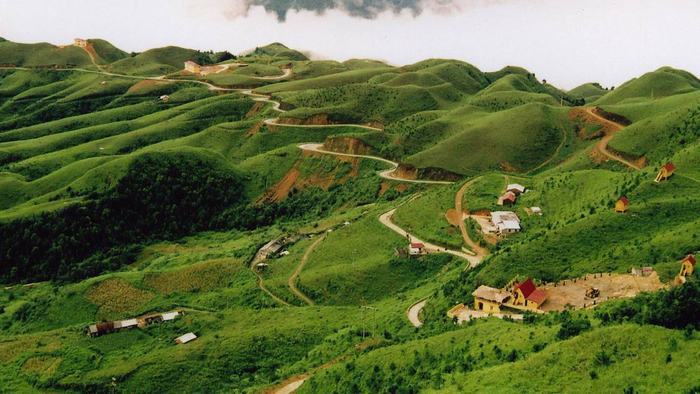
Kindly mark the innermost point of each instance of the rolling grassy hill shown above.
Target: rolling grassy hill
(663, 82)
(117, 202)
(107, 52)
(42, 54)
(588, 91)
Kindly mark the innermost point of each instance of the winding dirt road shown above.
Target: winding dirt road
(386, 174)
(413, 313)
(385, 219)
(260, 257)
(292, 279)
(602, 145)
(478, 250)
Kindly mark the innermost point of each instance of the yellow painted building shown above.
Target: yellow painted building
(622, 204)
(80, 42)
(527, 295)
(665, 172)
(687, 266)
(489, 299)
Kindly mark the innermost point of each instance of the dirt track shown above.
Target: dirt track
(602, 145)
(478, 250)
(261, 284)
(292, 279)
(414, 311)
(386, 174)
(385, 219)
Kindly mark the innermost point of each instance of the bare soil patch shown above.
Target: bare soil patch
(572, 292)
(454, 217)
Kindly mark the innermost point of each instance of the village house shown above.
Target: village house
(193, 67)
(516, 188)
(665, 172)
(102, 328)
(526, 294)
(185, 338)
(489, 299)
(416, 248)
(508, 199)
(505, 222)
(687, 266)
(622, 204)
(95, 330)
(80, 42)
(536, 211)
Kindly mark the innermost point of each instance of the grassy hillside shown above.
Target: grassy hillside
(42, 54)
(498, 141)
(107, 52)
(155, 62)
(663, 82)
(588, 91)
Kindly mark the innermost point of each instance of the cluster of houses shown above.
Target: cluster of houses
(516, 295)
(80, 42)
(108, 327)
(510, 197)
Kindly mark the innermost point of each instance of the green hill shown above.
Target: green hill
(497, 141)
(42, 54)
(588, 91)
(277, 52)
(107, 52)
(663, 82)
(156, 61)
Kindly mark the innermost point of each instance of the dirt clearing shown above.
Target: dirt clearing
(611, 286)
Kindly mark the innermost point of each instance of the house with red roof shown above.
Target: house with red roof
(508, 199)
(527, 295)
(665, 172)
(687, 266)
(622, 204)
(416, 248)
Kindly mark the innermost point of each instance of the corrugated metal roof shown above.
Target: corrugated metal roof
(170, 315)
(186, 338)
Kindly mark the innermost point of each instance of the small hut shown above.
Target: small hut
(665, 172)
(622, 204)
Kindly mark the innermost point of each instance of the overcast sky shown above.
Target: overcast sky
(567, 42)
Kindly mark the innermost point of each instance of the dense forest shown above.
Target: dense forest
(162, 196)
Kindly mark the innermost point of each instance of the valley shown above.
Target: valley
(316, 221)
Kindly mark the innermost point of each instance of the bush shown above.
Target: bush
(677, 307)
(570, 327)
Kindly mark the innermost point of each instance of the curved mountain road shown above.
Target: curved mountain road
(478, 250)
(602, 145)
(386, 174)
(413, 313)
(292, 279)
(385, 219)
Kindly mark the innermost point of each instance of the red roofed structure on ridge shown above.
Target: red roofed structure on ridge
(665, 172)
